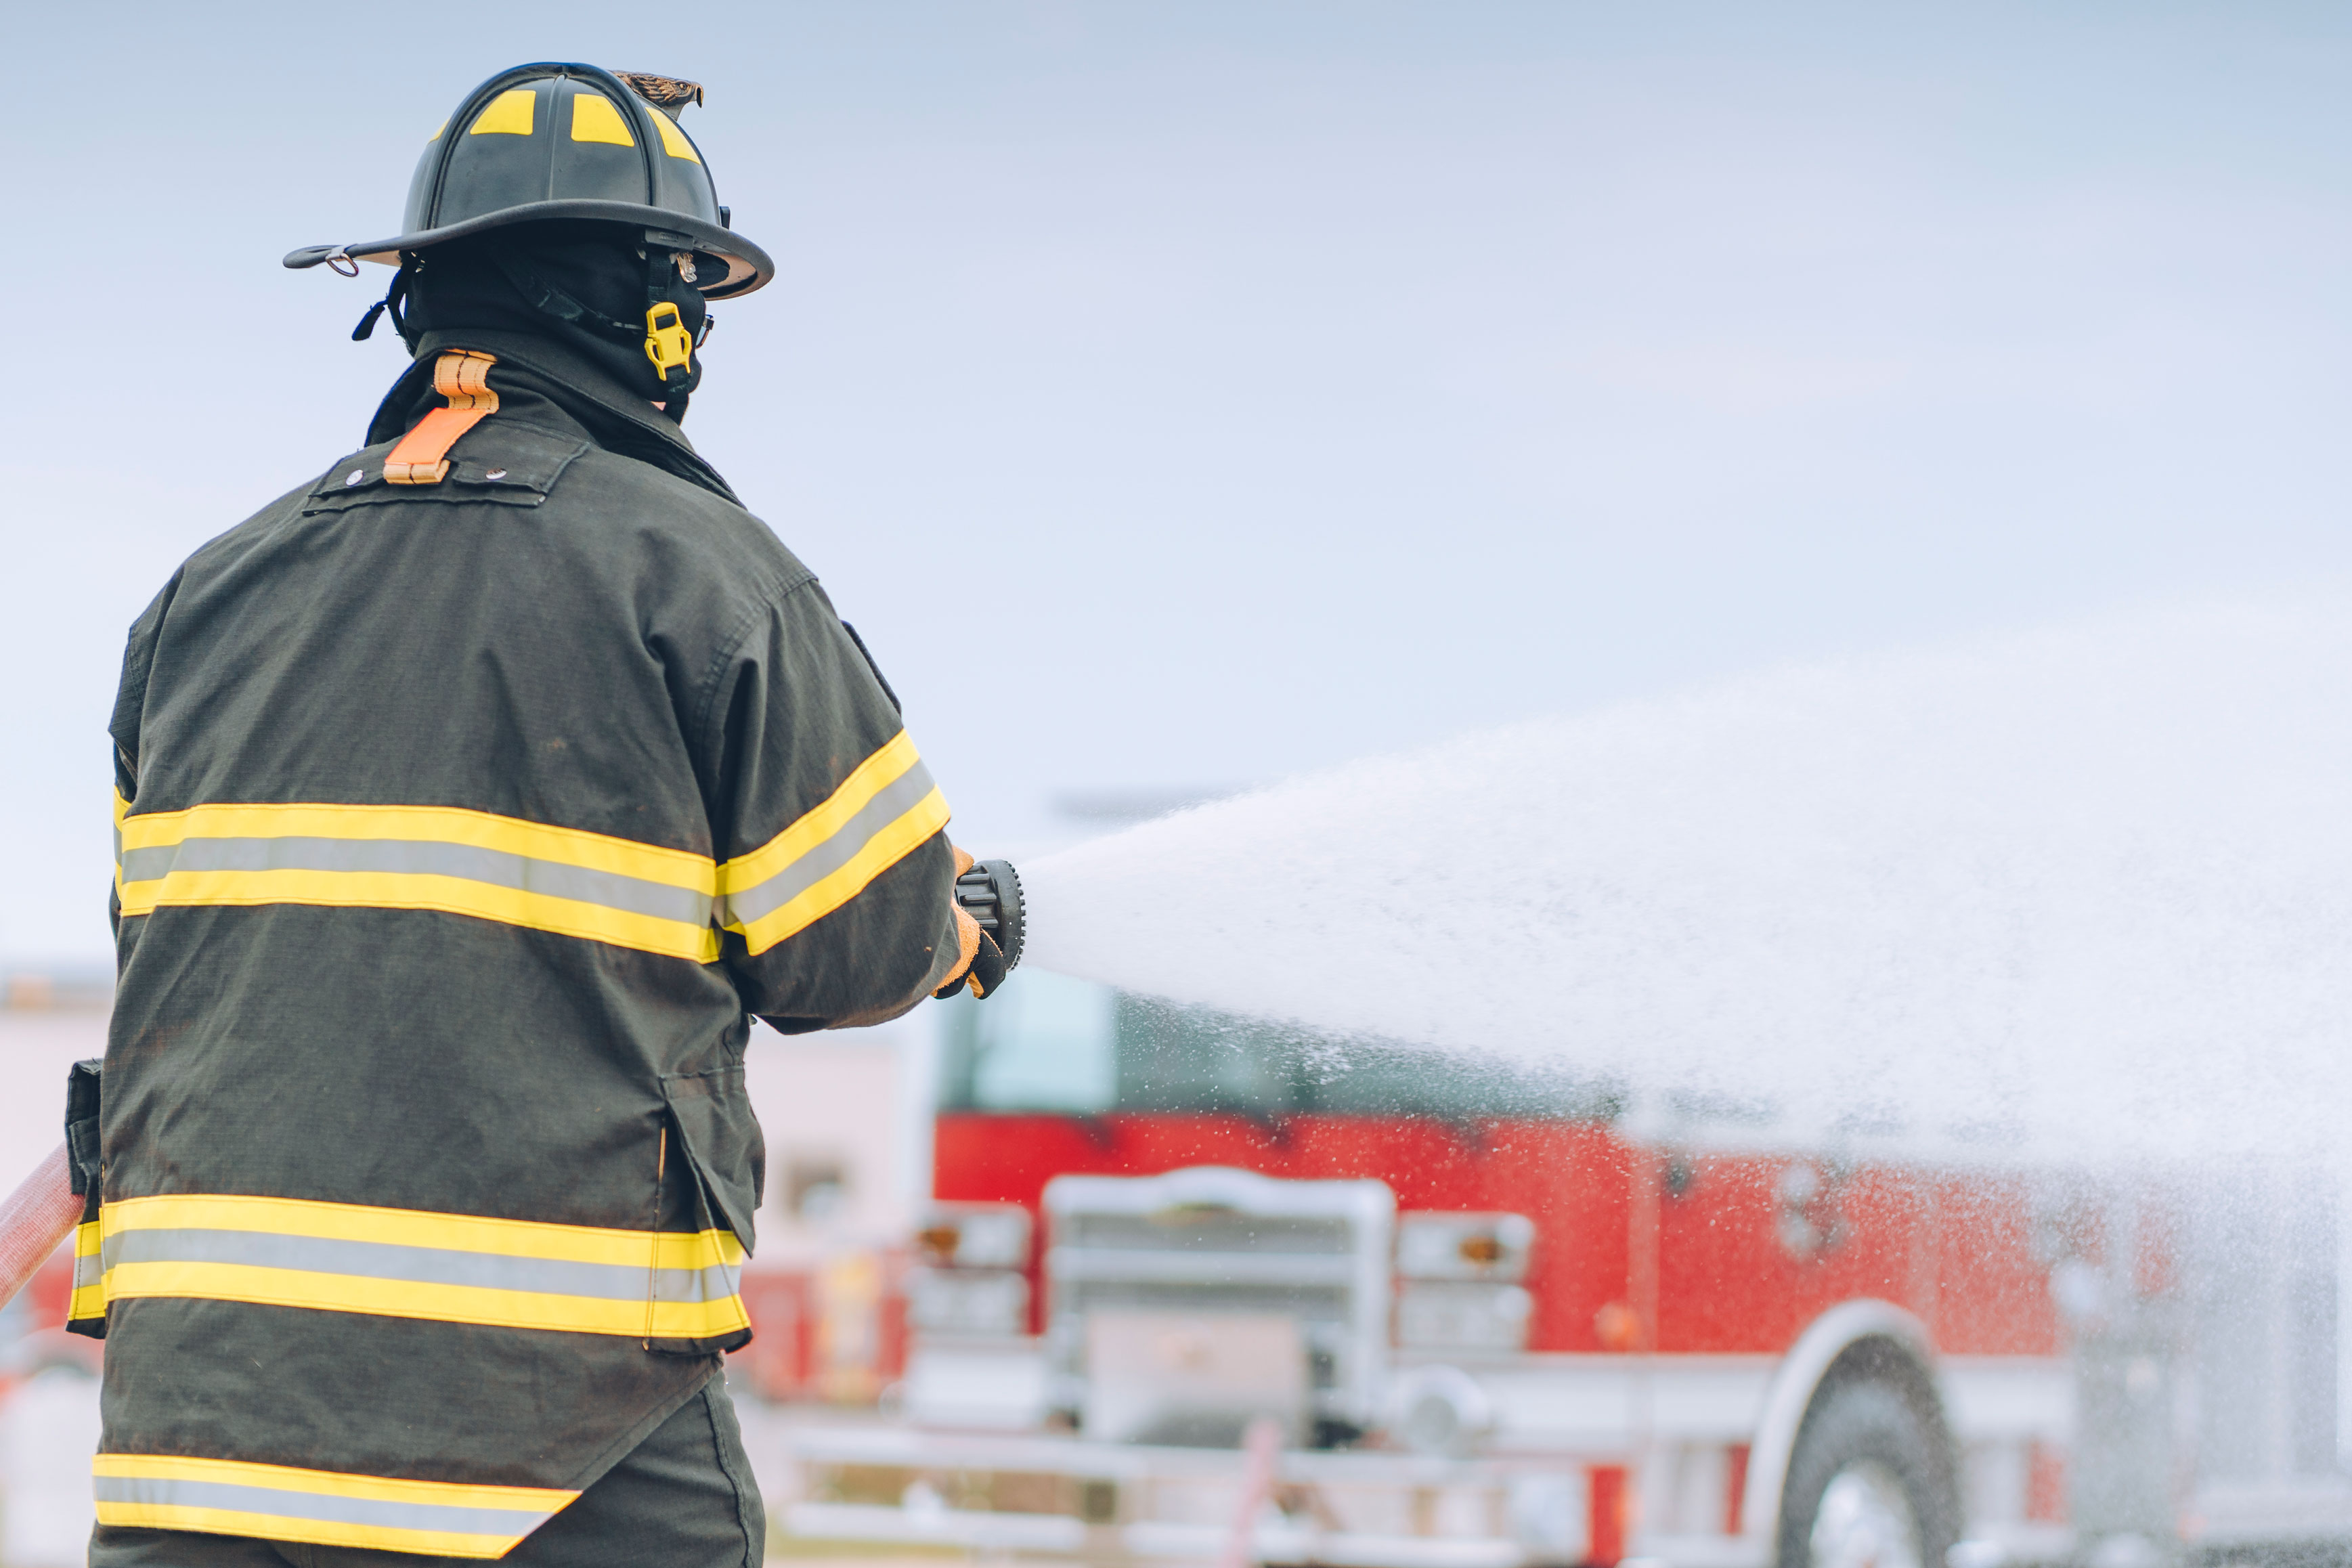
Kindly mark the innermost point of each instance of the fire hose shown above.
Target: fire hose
(34, 1219)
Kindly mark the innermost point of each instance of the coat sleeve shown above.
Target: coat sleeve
(834, 879)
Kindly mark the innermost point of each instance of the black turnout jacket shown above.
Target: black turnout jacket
(462, 827)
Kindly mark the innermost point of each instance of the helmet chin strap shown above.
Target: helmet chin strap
(668, 344)
(392, 301)
(541, 295)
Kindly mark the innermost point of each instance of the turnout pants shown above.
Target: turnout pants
(682, 1499)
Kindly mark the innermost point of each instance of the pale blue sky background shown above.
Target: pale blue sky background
(1189, 393)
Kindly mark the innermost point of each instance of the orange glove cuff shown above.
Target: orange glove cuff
(967, 944)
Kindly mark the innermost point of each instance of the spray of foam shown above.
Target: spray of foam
(2089, 887)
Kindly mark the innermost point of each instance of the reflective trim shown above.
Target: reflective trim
(509, 114)
(434, 858)
(895, 799)
(406, 1263)
(446, 825)
(674, 142)
(88, 1298)
(279, 1502)
(885, 808)
(406, 857)
(531, 874)
(421, 1265)
(594, 118)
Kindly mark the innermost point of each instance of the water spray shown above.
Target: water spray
(2086, 888)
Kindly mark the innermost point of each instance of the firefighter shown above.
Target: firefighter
(473, 797)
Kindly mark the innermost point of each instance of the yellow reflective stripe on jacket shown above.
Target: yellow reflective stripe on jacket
(323, 1508)
(89, 1299)
(421, 858)
(886, 807)
(121, 807)
(530, 874)
(408, 1263)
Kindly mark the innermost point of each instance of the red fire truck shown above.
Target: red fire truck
(1505, 1316)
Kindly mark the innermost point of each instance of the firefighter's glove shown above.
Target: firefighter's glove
(979, 962)
(981, 967)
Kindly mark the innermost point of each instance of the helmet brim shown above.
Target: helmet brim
(747, 266)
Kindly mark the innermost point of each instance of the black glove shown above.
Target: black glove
(983, 974)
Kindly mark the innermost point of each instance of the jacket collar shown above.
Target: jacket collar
(535, 367)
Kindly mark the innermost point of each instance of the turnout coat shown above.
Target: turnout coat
(462, 829)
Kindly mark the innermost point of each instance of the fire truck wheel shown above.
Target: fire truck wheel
(1868, 1486)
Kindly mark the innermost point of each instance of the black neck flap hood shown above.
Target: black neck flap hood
(582, 284)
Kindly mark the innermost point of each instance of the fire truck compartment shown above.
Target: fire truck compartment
(1512, 1317)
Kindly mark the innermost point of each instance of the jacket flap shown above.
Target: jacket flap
(508, 463)
(81, 1122)
(723, 1139)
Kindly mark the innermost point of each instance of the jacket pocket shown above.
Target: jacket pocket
(695, 1301)
(712, 1111)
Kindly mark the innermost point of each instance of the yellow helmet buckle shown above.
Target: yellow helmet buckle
(668, 343)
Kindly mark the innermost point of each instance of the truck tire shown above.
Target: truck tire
(1870, 1484)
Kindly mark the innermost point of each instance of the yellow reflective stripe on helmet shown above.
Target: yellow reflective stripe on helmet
(324, 1508)
(410, 1263)
(594, 118)
(476, 863)
(509, 114)
(674, 142)
(885, 808)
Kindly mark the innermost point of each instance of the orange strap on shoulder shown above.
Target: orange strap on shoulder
(463, 376)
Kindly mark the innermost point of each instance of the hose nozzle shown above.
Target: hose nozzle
(991, 894)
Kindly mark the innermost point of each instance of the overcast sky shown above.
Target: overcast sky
(1182, 394)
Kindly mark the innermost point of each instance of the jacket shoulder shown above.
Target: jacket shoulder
(621, 514)
(232, 543)
(686, 523)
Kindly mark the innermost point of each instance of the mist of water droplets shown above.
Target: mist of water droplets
(2087, 887)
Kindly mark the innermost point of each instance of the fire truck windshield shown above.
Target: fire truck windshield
(1046, 1043)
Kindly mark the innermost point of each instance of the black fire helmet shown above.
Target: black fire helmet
(565, 141)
